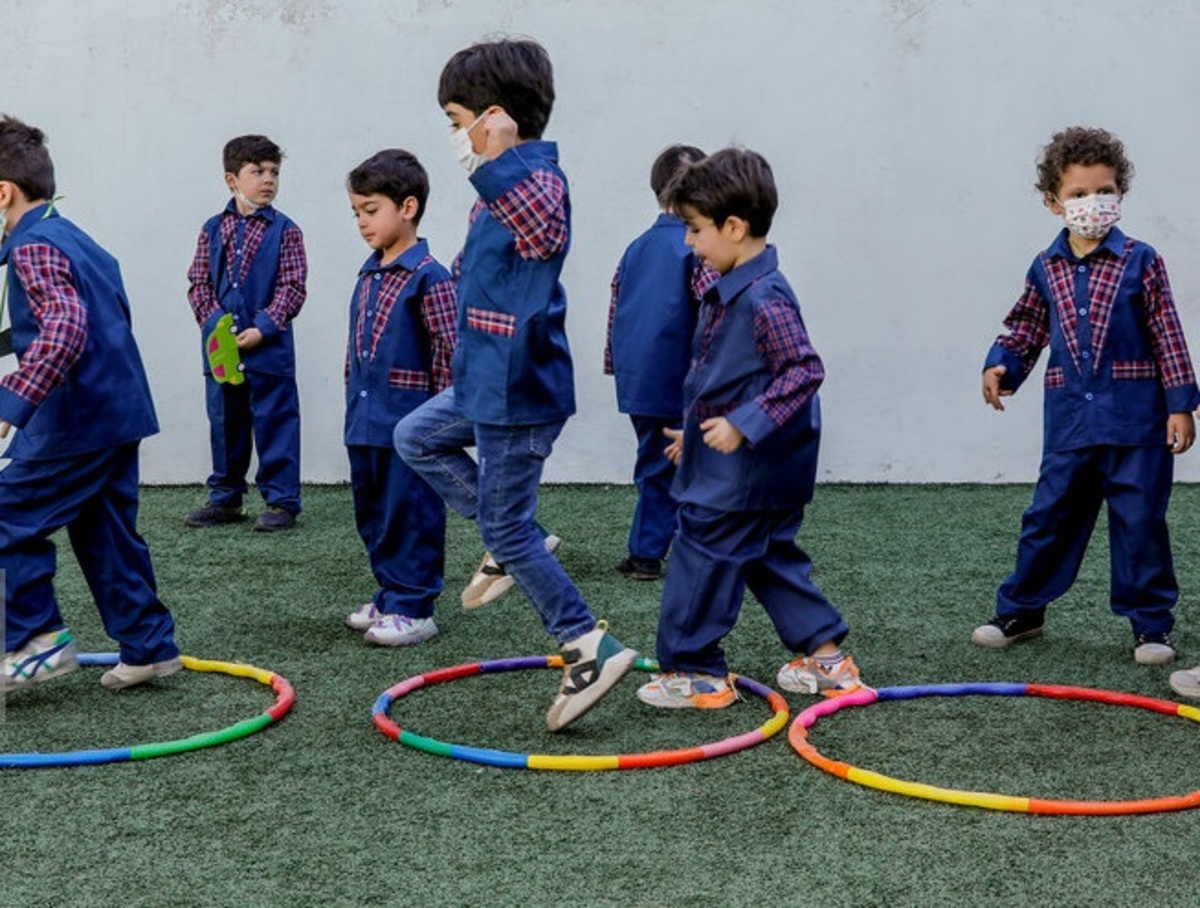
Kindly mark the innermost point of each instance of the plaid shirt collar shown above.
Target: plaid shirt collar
(1114, 245)
(732, 283)
(410, 259)
(267, 212)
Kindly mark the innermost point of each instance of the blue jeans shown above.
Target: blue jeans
(500, 494)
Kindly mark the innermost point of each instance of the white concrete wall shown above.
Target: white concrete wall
(903, 135)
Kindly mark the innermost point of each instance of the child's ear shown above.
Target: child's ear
(231, 181)
(1051, 202)
(7, 193)
(736, 228)
(409, 208)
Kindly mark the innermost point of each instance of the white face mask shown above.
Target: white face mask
(1091, 217)
(464, 152)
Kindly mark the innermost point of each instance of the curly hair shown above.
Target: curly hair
(1084, 146)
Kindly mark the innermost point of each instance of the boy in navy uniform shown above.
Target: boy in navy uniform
(513, 384)
(401, 341)
(1119, 391)
(80, 405)
(250, 263)
(747, 455)
(655, 292)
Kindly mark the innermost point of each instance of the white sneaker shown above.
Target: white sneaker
(400, 630)
(687, 690)
(363, 617)
(490, 581)
(806, 676)
(592, 664)
(121, 676)
(1186, 682)
(44, 657)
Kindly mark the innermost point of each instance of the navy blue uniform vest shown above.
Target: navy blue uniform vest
(654, 322)
(380, 391)
(779, 471)
(276, 355)
(512, 366)
(105, 399)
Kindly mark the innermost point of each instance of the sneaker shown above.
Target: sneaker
(400, 630)
(490, 581)
(363, 617)
(212, 515)
(687, 690)
(121, 676)
(44, 657)
(1186, 683)
(274, 520)
(640, 568)
(1153, 649)
(593, 664)
(806, 676)
(1001, 632)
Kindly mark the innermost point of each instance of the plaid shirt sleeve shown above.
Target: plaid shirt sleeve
(439, 312)
(612, 317)
(534, 211)
(1028, 327)
(45, 273)
(1165, 330)
(798, 372)
(290, 284)
(201, 295)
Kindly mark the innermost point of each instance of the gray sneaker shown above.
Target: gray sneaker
(1186, 682)
(1001, 632)
(121, 675)
(1153, 649)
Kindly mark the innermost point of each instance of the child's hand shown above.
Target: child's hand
(1181, 432)
(721, 435)
(992, 392)
(501, 132)
(674, 450)
(249, 339)
(5, 428)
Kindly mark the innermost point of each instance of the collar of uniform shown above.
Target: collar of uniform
(735, 281)
(1113, 244)
(28, 219)
(409, 259)
(665, 219)
(266, 212)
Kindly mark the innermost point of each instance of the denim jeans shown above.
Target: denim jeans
(500, 494)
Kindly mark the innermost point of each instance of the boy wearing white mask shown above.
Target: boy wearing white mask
(1119, 396)
(513, 381)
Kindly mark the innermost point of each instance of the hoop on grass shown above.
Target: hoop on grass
(798, 736)
(284, 698)
(568, 762)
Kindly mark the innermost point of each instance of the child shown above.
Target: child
(655, 292)
(250, 263)
(80, 405)
(401, 340)
(747, 454)
(1119, 393)
(513, 387)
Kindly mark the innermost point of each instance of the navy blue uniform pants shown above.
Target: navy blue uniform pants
(715, 557)
(1055, 530)
(402, 522)
(263, 414)
(654, 517)
(95, 496)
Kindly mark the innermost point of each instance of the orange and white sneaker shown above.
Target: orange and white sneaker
(687, 690)
(805, 675)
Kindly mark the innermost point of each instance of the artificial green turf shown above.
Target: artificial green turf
(323, 810)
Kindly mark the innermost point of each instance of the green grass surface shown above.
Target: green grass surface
(323, 810)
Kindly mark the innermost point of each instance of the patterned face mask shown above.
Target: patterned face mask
(1091, 217)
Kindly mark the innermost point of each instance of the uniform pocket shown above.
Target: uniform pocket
(1134, 370)
(408, 379)
(489, 321)
(1055, 378)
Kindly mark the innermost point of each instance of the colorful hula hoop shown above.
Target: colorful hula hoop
(566, 762)
(285, 697)
(798, 736)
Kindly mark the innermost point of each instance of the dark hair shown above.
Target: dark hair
(668, 164)
(514, 73)
(1085, 146)
(249, 150)
(24, 159)
(394, 173)
(732, 182)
